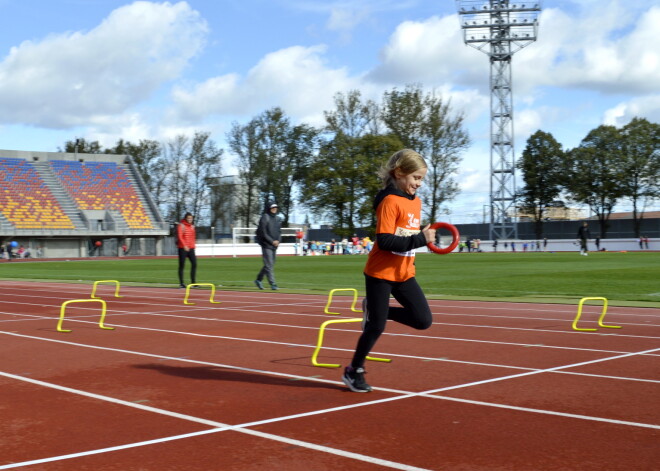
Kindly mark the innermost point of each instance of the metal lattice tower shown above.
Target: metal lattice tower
(500, 28)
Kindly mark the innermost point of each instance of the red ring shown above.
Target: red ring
(454, 232)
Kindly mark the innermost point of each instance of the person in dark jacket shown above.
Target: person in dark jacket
(185, 242)
(583, 235)
(268, 237)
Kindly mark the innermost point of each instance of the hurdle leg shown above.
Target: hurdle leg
(319, 343)
(96, 283)
(185, 300)
(602, 316)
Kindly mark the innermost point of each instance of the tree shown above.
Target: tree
(445, 139)
(641, 162)
(335, 183)
(203, 165)
(541, 164)
(244, 143)
(81, 146)
(425, 123)
(594, 173)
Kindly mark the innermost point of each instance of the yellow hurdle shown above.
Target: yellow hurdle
(106, 281)
(320, 342)
(332, 291)
(185, 300)
(600, 319)
(64, 305)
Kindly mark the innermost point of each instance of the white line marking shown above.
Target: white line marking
(242, 428)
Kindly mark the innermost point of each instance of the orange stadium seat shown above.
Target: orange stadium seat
(25, 200)
(103, 186)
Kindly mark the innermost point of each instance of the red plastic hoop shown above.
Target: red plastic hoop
(454, 232)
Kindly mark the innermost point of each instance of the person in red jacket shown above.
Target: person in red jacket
(185, 241)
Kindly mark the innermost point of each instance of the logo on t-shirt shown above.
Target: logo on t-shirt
(413, 222)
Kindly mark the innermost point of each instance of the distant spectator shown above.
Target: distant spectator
(186, 238)
(268, 237)
(494, 245)
(583, 235)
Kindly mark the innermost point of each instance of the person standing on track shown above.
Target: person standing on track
(390, 267)
(583, 236)
(185, 241)
(268, 237)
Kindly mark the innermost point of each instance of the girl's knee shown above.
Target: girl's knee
(425, 324)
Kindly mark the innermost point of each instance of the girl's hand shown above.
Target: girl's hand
(429, 233)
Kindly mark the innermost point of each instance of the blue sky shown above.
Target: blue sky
(110, 69)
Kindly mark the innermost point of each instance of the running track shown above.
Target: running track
(230, 386)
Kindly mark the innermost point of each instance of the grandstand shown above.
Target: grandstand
(64, 204)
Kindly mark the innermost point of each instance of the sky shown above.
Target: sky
(110, 69)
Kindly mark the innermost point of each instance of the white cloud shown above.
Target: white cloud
(430, 52)
(295, 79)
(607, 49)
(647, 107)
(75, 78)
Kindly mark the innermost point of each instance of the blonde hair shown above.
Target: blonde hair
(406, 161)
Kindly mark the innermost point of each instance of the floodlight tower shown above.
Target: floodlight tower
(500, 28)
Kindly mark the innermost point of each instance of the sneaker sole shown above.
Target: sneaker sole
(350, 386)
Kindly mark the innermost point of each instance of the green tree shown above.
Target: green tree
(243, 142)
(541, 165)
(335, 183)
(594, 173)
(641, 162)
(81, 146)
(426, 123)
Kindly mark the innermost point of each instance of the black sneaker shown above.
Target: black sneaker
(259, 284)
(182, 286)
(354, 379)
(365, 313)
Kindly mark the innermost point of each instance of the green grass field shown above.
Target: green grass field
(623, 278)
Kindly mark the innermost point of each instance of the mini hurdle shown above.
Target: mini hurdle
(96, 283)
(66, 303)
(333, 291)
(600, 319)
(185, 300)
(320, 342)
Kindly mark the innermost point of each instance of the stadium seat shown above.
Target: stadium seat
(102, 186)
(25, 200)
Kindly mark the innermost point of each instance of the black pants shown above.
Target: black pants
(415, 311)
(583, 245)
(193, 264)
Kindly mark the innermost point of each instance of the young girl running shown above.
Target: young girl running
(390, 268)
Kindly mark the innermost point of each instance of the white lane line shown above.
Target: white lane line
(287, 326)
(397, 355)
(403, 393)
(220, 427)
(243, 427)
(545, 412)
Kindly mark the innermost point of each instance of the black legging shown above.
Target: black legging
(193, 264)
(415, 312)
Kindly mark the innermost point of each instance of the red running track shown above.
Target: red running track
(230, 386)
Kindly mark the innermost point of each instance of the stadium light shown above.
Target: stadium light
(500, 29)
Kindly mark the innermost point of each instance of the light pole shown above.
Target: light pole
(500, 28)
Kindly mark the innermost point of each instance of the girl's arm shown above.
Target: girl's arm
(396, 243)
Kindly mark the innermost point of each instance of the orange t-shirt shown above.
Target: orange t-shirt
(399, 216)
